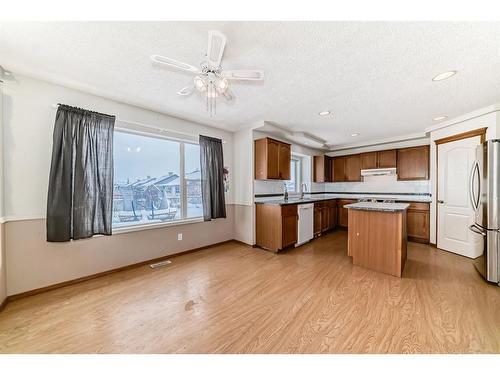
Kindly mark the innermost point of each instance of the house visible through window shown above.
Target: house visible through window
(155, 180)
(293, 184)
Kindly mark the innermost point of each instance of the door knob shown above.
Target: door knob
(440, 201)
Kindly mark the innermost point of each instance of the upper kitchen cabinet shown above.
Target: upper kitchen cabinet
(322, 168)
(272, 159)
(413, 163)
(369, 160)
(338, 169)
(378, 159)
(353, 168)
(386, 159)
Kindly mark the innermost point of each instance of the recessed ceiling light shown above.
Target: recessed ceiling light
(439, 118)
(444, 75)
(354, 134)
(324, 113)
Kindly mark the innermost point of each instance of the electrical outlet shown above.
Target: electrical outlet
(179, 236)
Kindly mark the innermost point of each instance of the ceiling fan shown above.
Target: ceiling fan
(210, 80)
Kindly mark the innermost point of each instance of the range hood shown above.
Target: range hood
(379, 172)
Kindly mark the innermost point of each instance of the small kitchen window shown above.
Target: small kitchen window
(293, 184)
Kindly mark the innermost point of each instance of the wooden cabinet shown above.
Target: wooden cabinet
(342, 212)
(418, 222)
(369, 160)
(285, 156)
(386, 159)
(276, 226)
(353, 168)
(325, 216)
(332, 214)
(413, 163)
(272, 159)
(377, 240)
(338, 169)
(322, 168)
(378, 159)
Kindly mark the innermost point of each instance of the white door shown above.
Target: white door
(455, 212)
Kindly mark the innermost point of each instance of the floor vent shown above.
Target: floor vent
(160, 264)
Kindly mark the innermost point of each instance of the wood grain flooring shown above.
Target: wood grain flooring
(237, 299)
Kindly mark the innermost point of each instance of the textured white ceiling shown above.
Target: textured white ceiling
(374, 76)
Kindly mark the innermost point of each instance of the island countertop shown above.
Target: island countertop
(378, 206)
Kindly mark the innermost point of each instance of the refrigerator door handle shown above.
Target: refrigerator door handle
(475, 229)
(471, 173)
(472, 198)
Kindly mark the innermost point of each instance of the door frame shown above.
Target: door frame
(452, 138)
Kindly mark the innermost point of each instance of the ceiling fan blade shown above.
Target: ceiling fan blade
(174, 63)
(244, 75)
(186, 91)
(216, 45)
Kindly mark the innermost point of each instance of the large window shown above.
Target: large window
(155, 180)
(293, 184)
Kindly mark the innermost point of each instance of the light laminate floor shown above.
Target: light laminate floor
(236, 299)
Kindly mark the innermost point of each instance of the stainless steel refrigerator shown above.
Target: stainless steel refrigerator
(484, 191)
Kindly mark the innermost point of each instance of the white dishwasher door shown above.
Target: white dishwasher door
(306, 222)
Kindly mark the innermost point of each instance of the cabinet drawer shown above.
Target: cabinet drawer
(289, 210)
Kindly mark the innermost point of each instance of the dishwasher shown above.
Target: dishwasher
(306, 222)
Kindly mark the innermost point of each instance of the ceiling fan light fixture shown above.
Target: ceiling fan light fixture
(222, 85)
(200, 84)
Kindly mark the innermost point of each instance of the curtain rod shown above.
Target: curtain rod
(158, 129)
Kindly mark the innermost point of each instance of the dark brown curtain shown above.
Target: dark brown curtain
(80, 196)
(212, 178)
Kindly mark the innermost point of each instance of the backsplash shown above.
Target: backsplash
(276, 187)
(370, 184)
(380, 184)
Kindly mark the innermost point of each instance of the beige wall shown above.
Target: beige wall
(32, 262)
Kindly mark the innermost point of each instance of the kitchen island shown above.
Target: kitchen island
(377, 236)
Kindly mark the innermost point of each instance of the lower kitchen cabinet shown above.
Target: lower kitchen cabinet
(276, 226)
(418, 221)
(325, 216)
(342, 212)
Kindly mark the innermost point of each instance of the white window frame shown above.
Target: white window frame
(182, 184)
(298, 172)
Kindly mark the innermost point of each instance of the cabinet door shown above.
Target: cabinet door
(317, 219)
(418, 225)
(342, 214)
(324, 219)
(369, 160)
(328, 169)
(386, 159)
(353, 168)
(284, 161)
(319, 168)
(289, 233)
(273, 152)
(413, 163)
(332, 215)
(339, 169)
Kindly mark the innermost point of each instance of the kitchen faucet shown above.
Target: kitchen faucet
(303, 188)
(286, 192)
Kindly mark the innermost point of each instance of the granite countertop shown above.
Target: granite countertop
(378, 206)
(322, 197)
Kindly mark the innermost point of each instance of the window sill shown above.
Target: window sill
(137, 228)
